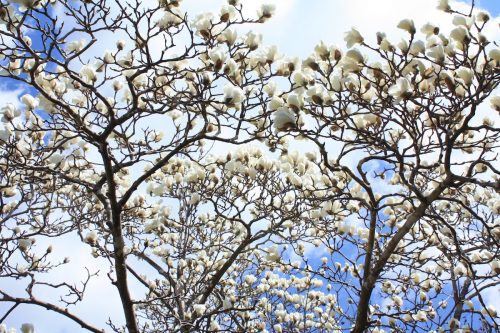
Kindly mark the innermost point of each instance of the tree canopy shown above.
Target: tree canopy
(226, 187)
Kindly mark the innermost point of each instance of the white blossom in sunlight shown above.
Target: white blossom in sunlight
(494, 54)
(253, 40)
(76, 45)
(284, 119)
(443, 5)
(407, 25)
(460, 34)
(89, 74)
(199, 309)
(230, 186)
(9, 112)
(266, 11)
(91, 237)
(489, 311)
(401, 90)
(437, 52)
(495, 103)
(429, 29)
(353, 37)
(233, 95)
(460, 20)
(170, 18)
(29, 101)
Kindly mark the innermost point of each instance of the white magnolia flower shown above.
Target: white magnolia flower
(233, 95)
(407, 25)
(495, 267)
(398, 301)
(494, 54)
(417, 47)
(76, 45)
(402, 89)
(429, 29)
(199, 309)
(195, 198)
(229, 36)
(295, 101)
(89, 74)
(443, 5)
(437, 52)
(460, 20)
(120, 44)
(266, 11)
(421, 316)
(214, 326)
(355, 56)
(353, 37)
(482, 16)
(227, 303)
(495, 103)
(217, 57)
(460, 269)
(9, 112)
(27, 328)
(140, 81)
(25, 244)
(284, 119)
(91, 237)
(170, 18)
(275, 103)
(460, 34)
(489, 311)
(465, 74)
(30, 101)
(407, 317)
(108, 57)
(250, 279)
(273, 253)
(271, 88)
(253, 40)
(227, 13)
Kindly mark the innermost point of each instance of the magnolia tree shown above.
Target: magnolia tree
(389, 223)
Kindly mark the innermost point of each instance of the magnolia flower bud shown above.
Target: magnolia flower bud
(120, 44)
(482, 17)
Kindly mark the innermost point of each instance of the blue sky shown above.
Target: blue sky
(493, 6)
